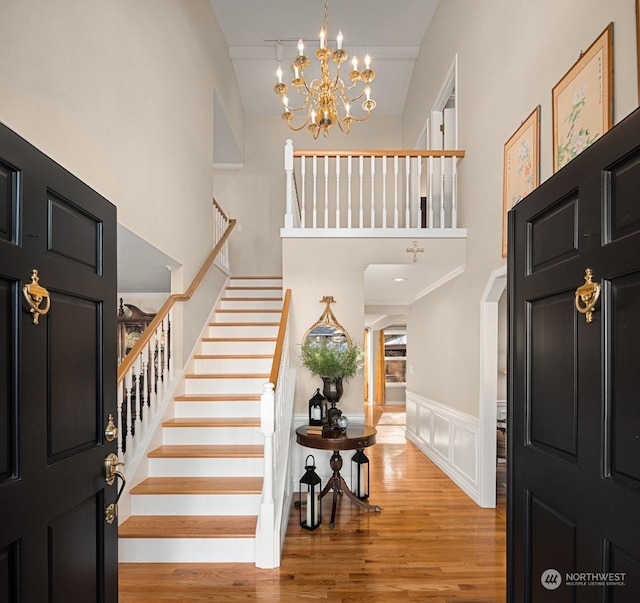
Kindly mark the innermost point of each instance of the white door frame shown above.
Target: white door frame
(489, 384)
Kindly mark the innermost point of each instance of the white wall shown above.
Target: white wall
(254, 195)
(510, 55)
(121, 94)
(314, 268)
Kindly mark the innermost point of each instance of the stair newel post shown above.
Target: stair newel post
(288, 169)
(266, 543)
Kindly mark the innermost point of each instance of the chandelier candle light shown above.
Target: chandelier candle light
(326, 100)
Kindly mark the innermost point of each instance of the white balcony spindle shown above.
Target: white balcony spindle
(442, 176)
(407, 173)
(373, 188)
(419, 180)
(303, 195)
(326, 191)
(361, 211)
(314, 165)
(454, 192)
(338, 191)
(384, 191)
(430, 194)
(349, 172)
(395, 191)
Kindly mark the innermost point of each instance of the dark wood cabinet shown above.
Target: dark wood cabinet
(132, 322)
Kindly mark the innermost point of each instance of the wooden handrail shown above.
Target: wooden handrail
(275, 367)
(376, 153)
(224, 215)
(131, 357)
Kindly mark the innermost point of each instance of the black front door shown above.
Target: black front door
(57, 383)
(574, 481)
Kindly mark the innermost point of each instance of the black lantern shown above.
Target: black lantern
(311, 516)
(318, 409)
(360, 475)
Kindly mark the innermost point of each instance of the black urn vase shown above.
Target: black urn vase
(332, 390)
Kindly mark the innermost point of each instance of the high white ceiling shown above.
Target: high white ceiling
(390, 32)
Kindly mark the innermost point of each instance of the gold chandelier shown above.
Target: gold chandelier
(326, 100)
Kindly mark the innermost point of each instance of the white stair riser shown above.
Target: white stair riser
(204, 436)
(207, 467)
(232, 365)
(238, 291)
(255, 282)
(195, 504)
(225, 386)
(217, 410)
(187, 550)
(257, 304)
(256, 316)
(223, 330)
(238, 347)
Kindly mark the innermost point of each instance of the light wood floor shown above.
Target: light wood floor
(430, 543)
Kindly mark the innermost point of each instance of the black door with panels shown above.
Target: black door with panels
(57, 382)
(574, 414)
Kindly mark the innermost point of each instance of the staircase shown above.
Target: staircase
(200, 502)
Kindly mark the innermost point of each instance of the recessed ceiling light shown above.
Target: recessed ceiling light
(399, 279)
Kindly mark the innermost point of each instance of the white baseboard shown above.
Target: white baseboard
(449, 437)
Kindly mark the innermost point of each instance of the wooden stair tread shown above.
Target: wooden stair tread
(244, 324)
(212, 422)
(217, 398)
(252, 288)
(251, 299)
(188, 526)
(208, 451)
(199, 485)
(231, 356)
(248, 311)
(226, 376)
(255, 277)
(243, 339)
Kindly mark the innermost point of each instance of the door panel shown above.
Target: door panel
(552, 419)
(574, 417)
(57, 381)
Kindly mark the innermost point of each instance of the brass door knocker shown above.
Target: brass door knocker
(35, 294)
(587, 296)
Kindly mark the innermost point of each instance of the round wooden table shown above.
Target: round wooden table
(355, 437)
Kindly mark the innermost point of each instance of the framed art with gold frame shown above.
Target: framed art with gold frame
(583, 101)
(521, 167)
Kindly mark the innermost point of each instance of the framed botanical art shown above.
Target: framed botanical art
(521, 167)
(583, 101)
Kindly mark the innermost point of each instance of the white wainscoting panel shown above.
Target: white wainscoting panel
(449, 437)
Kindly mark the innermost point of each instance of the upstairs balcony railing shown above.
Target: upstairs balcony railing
(356, 190)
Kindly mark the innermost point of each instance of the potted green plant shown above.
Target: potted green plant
(333, 363)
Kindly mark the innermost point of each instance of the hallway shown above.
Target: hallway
(431, 543)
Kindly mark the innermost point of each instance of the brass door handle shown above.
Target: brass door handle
(587, 296)
(111, 465)
(110, 431)
(35, 294)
